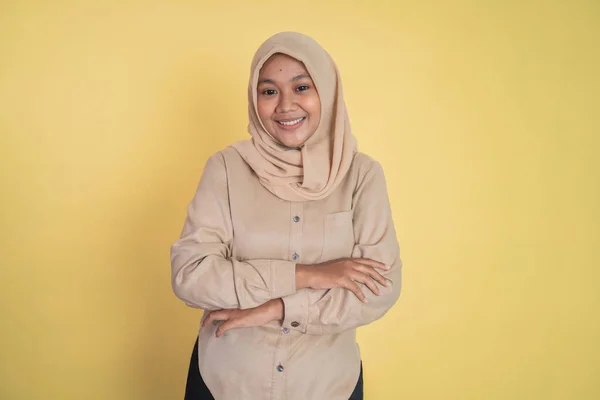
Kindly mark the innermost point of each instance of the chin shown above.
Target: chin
(291, 141)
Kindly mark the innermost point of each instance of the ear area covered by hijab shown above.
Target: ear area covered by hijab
(313, 171)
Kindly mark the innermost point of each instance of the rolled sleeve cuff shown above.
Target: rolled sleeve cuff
(283, 278)
(296, 311)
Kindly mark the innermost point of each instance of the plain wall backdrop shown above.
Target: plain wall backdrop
(484, 115)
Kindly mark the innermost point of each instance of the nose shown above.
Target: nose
(287, 102)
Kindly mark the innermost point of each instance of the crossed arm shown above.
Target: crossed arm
(314, 299)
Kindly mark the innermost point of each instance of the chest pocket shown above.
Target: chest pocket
(338, 235)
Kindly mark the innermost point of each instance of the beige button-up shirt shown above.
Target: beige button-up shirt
(239, 248)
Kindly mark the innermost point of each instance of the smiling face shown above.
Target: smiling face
(287, 101)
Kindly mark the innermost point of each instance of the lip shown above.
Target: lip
(290, 127)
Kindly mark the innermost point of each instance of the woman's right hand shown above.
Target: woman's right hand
(343, 273)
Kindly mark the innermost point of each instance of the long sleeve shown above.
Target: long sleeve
(335, 310)
(203, 273)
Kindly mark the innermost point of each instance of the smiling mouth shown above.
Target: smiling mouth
(292, 122)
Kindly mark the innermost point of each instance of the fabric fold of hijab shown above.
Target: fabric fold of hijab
(313, 171)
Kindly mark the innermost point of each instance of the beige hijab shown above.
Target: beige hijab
(313, 171)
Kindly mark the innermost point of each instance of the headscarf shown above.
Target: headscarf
(314, 170)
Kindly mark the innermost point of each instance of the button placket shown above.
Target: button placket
(285, 337)
(284, 340)
(296, 231)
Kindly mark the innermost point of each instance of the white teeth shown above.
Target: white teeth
(291, 122)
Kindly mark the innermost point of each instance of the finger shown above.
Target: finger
(209, 317)
(227, 325)
(371, 263)
(374, 275)
(206, 317)
(366, 279)
(354, 288)
(219, 315)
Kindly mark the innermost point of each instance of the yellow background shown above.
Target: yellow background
(484, 115)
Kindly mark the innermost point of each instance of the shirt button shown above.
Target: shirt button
(296, 219)
(280, 368)
(285, 331)
(295, 324)
(295, 256)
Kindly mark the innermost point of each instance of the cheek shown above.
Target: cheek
(310, 104)
(315, 109)
(264, 111)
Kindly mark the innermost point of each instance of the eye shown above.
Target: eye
(269, 92)
(302, 88)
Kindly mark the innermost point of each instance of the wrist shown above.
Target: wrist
(302, 276)
(276, 308)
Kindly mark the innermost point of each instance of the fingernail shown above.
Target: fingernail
(366, 300)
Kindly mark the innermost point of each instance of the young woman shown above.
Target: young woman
(289, 243)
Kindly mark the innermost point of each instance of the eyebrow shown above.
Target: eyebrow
(296, 78)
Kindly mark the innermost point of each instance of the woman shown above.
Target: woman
(289, 243)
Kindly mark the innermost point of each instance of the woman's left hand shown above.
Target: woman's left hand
(272, 310)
